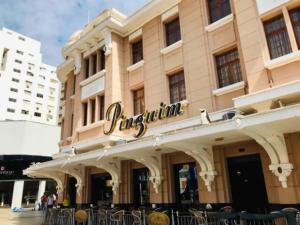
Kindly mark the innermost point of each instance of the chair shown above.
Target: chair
(198, 215)
(117, 218)
(101, 217)
(66, 217)
(137, 217)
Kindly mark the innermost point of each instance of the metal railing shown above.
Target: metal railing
(194, 217)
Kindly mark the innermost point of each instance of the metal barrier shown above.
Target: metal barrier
(193, 217)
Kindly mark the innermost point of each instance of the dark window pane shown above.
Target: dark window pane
(218, 9)
(138, 101)
(93, 110)
(137, 51)
(101, 60)
(177, 87)
(94, 61)
(229, 69)
(87, 66)
(173, 31)
(84, 109)
(101, 99)
(295, 18)
(277, 37)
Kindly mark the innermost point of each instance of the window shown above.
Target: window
(25, 112)
(218, 9)
(71, 125)
(4, 58)
(15, 80)
(277, 37)
(53, 81)
(41, 86)
(84, 110)
(11, 110)
(87, 67)
(138, 101)
(12, 100)
(39, 95)
(177, 87)
(295, 18)
(14, 90)
(20, 52)
(93, 110)
(137, 51)
(101, 104)
(17, 70)
(42, 77)
(74, 84)
(172, 31)
(228, 68)
(29, 74)
(101, 60)
(94, 64)
(27, 92)
(37, 114)
(21, 38)
(18, 61)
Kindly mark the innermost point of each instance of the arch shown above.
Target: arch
(273, 143)
(203, 154)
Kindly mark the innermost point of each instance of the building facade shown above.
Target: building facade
(183, 102)
(29, 88)
(22, 144)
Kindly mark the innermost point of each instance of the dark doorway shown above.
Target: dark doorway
(101, 193)
(6, 193)
(247, 183)
(72, 190)
(141, 186)
(185, 183)
(30, 191)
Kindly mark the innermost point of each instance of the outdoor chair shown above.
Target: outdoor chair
(137, 217)
(198, 215)
(66, 217)
(51, 217)
(117, 218)
(101, 217)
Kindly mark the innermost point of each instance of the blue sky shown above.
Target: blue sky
(52, 22)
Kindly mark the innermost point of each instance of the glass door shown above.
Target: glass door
(141, 194)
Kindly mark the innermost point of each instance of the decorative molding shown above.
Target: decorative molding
(267, 95)
(283, 60)
(220, 23)
(77, 61)
(170, 13)
(229, 88)
(172, 47)
(135, 34)
(76, 172)
(275, 146)
(135, 66)
(153, 162)
(93, 78)
(203, 154)
(107, 42)
(91, 126)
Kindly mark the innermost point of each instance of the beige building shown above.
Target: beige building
(183, 102)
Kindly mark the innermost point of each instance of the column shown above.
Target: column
(17, 194)
(42, 188)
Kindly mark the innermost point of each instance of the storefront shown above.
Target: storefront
(16, 188)
(178, 106)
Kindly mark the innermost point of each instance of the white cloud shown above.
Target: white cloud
(53, 21)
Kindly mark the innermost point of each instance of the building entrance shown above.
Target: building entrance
(247, 183)
(101, 193)
(185, 183)
(72, 190)
(6, 193)
(141, 186)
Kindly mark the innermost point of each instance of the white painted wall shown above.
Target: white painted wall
(43, 80)
(28, 138)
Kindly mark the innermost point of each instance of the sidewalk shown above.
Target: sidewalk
(21, 218)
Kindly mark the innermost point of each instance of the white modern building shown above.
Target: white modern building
(22, 144)
(29, 89)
